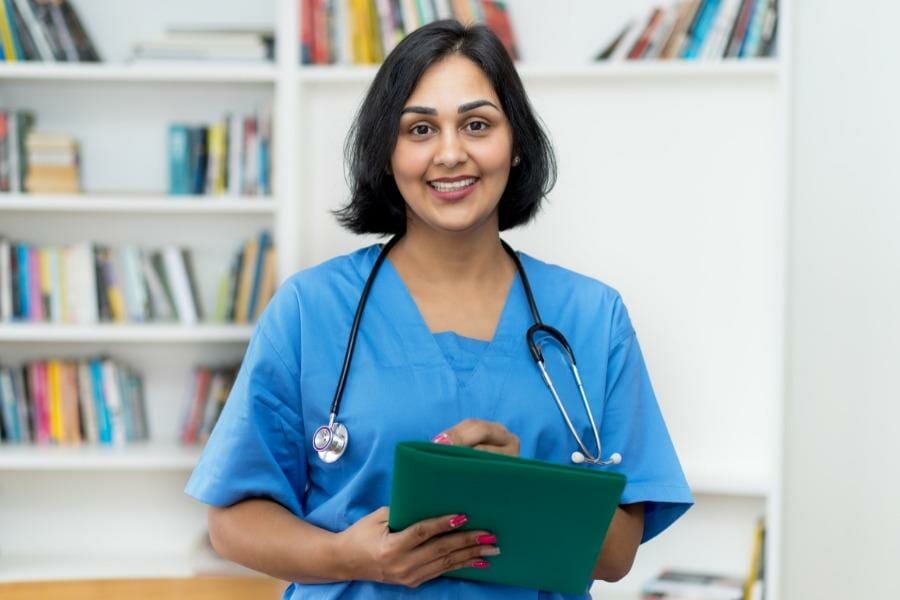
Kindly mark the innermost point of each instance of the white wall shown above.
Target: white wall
(842, 491)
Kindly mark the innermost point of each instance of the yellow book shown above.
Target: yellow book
(46, 276)
(56, 414)
(376, 49)
(755, 559)
(9, 49)
(216, 140)
(357, 39)
(267, 282)
(245, 282)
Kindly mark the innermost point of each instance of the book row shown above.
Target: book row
(86, 283)
(96, 400)
(699, 29)
(47, 30)
(208, 390)
(245, 289)
(231, 156)
(365, 31)
(15, 125)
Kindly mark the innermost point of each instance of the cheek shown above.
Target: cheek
(409, 162)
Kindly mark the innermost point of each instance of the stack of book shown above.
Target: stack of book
(47, 30)
(15, 126)
(699, 29)
(247, 287)
(693, 585)
(207, 392)
(365, 31)
(87, 283)
(52, 163)
(231, 156)
(95, 401)
(253, 45)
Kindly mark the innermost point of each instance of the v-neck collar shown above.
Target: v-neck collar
(392, 298)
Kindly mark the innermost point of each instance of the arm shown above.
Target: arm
(266, 537)
(621, 544)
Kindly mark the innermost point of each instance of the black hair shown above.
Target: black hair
(376, 205)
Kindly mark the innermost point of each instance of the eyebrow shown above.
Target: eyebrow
(427, 110)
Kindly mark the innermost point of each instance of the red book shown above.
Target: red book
(306, 31)
(640, 46)
(497, 18)
(198, 405)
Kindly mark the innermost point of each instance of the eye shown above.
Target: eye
(420, 129)
(477, 126)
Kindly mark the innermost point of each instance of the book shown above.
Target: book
(693, 585)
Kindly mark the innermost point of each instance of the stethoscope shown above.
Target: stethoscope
(330, 441)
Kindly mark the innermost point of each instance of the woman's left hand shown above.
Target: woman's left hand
(481, 435)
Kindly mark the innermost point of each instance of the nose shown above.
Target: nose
(451, 151)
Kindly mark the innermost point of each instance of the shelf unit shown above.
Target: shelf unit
(667, 139)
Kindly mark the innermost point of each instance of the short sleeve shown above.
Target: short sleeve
(256, 449)
(634, 427)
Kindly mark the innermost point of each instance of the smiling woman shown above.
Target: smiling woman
(445, 153)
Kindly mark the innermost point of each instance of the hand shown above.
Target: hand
(481, 435)
(417, 554)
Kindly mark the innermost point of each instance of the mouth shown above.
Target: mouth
(456, 184)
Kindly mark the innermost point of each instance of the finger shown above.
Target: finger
(419, 533)
(510, 450)
(448, 543)
(471, 556)
(473, 432)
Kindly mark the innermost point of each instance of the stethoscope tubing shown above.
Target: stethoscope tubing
(325, 435)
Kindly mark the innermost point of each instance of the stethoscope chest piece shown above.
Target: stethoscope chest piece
(330, 442)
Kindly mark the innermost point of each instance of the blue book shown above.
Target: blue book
(179, 161)
(24, 281)
(264, 186)
(265, 240)
(14, 32)
(8, 406)
(703, 25)
(104, 434)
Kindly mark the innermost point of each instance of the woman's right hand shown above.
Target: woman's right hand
(417, 554)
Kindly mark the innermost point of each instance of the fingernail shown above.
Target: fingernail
(442, 438)
(458, 520)
(486, 539)
(481, 564)
(490, 551)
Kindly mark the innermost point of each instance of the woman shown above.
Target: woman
(446, 152)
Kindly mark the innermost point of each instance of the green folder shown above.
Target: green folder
(550, 520)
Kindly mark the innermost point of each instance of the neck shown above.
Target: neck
(451, 257)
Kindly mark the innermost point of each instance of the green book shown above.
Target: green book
(550, 520)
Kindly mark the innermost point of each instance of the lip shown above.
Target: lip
(452, 179)
(455, 195)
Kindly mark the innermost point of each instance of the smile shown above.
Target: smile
(453, 186)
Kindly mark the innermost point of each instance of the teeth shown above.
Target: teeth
(443, 186)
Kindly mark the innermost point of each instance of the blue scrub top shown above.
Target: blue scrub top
(405, 383)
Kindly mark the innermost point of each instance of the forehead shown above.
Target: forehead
(451, 82)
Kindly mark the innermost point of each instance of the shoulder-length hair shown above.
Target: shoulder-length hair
(376, 205)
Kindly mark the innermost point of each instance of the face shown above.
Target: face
(453, 153)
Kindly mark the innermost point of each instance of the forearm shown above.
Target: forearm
(621, 543)
(266, 537)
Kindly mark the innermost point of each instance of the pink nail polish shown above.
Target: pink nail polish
(481, 564)
(458, 520)
(486, 539)
(442, 438)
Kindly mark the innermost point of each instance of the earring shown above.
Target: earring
(516, 160)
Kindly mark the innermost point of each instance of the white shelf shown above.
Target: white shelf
(149, 72)
(139, 456)
(49, 568)
(765, 68)
(107, 332)
(737, 484)
(137, 203)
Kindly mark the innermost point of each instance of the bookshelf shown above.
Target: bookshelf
(683, 211)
